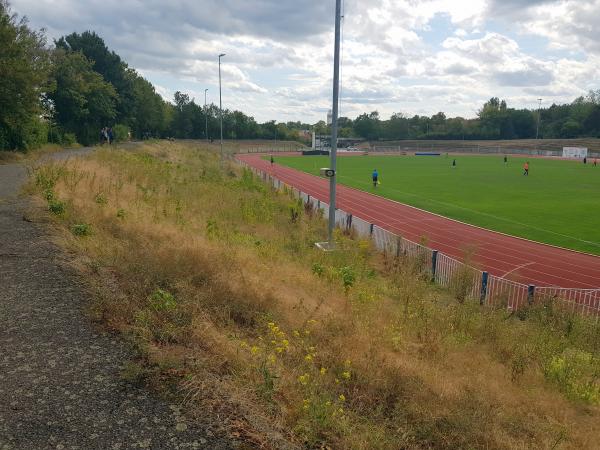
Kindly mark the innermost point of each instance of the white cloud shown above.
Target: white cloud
(279, 52)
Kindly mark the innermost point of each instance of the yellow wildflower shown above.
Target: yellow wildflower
(342, 398)
(346, 375)
(303, 379)
(308, 358)
(296, 333)
(323, 371)
(254, 350)
(285, 343)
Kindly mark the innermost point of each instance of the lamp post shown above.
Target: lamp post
(334, 120)
(221, 105)
(537, 131)
(205, 117)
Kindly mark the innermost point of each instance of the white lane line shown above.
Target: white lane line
(517, 268)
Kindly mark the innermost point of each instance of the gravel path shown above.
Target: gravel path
(60, 384)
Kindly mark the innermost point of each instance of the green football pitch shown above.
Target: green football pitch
(558, 203)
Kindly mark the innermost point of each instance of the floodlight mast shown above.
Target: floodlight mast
(205, 116)
(334, 124)
(537, 131)
(221, 106)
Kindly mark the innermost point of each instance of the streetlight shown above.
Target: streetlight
(205, 116)
(331, 171)
(221, 105)
(537, 131)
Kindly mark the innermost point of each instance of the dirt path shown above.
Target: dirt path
(60, 383)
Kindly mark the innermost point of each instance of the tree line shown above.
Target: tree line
(495, 120)
(67, 91)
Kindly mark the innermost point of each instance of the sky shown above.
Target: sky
(398, 56)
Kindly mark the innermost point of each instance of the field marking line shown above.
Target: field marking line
(517, 268)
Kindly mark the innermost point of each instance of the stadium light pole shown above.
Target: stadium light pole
(205, 116)
(334, 120)
(221, 106)
(537, 131)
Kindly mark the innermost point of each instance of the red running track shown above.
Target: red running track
(501, 255)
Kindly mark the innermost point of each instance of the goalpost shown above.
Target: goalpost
(575, 152)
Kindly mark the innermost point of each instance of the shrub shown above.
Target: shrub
(121, 132)
(162, 301)
(100, 198)
(81, 229)
(69, 140)
(576, 373)
(56, 207)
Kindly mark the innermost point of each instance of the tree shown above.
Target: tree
(368, 125)
(24, 79)
(83, 101)
(108, 64)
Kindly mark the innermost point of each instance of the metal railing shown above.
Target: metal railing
(464, 281)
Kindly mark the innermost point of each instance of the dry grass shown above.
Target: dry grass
(217, 280)
(10, 157)
(7, 157)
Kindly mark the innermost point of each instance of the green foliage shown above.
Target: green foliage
(83, 101)
(68, 139)
(577, 373)
(24, 70)
(318, 269)
(81, 229)
(56, 207)
(121, 132)
(100, 198)
(46, 178)
(348, 276)
(161, 300)
(212, 229)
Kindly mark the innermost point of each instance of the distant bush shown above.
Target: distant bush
(121, 132)
(57, 136)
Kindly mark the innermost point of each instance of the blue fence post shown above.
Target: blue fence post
(318, 204)
(434, 255)
(484, 285)
(348, 221)
(530, 293)
(370, 229)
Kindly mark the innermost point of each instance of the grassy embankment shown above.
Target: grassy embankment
(216, 279)
(555, 204)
